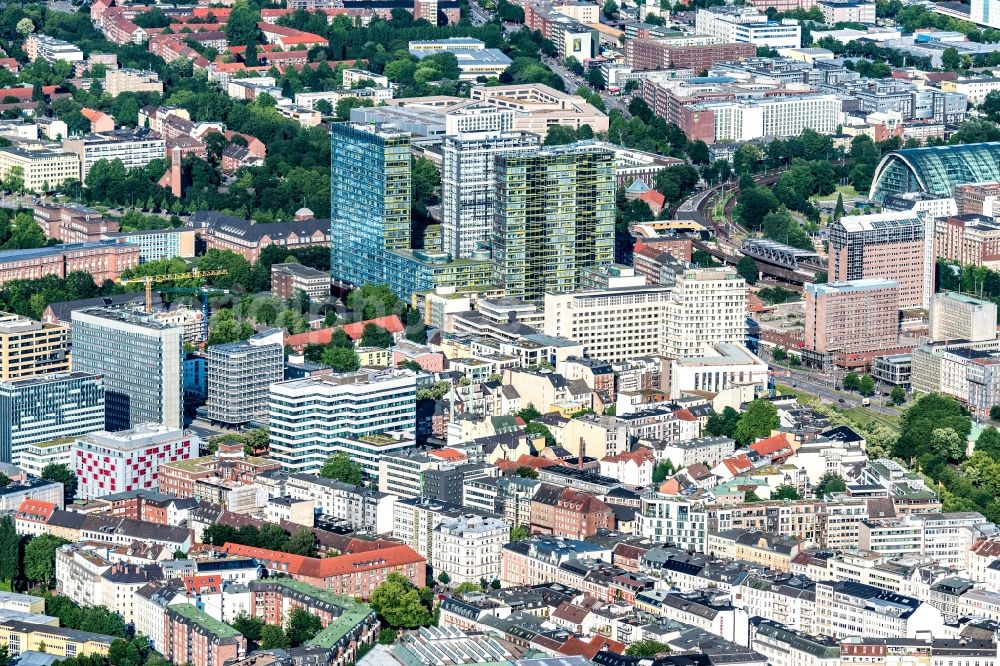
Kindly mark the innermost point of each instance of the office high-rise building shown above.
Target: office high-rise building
(29, 348)
(312, 418)
(896, 246)
(141, 360)
(555, 215)
(49, 407)
(707, 307)
(468, 185)
(369, 200)
(955, 317)
(850, 318)
(240, 375)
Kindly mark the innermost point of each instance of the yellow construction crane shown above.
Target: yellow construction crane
(150, 280)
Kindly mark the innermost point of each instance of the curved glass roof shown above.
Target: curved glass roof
(936, 170)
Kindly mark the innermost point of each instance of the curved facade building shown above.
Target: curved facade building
(936, 170)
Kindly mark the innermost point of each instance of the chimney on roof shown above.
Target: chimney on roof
(583, 448)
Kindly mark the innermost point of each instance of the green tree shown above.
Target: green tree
(425, 181)
(663, 470)
(341, 359)
(897, 395)
(526, 472)
(444, 578)
(995, 412)
(61, 474)
(536, 428)
(724, 424)
(40, 558)
(559, 135)
(951, 58)
(851, 381)
(272, 637)
(646, 649)
(387, 636)
(760, 418)
(529, 413)
(241, 27)
(340, 467)
(785, 492)
(747, 268)
(398, 603)
(520, 533)
(839, 211)
(947, 443)
(866, 386)
(989, 442)
(829, 483)
(250, 627)
(302, 626)
(302, 542)
(376, 336)
(466, 588)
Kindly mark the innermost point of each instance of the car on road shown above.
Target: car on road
(842, 401)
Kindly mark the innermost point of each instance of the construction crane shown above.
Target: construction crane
(150, 280)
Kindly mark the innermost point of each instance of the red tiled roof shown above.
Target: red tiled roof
(653, 197)
(328, 567)
(356, 330)
(37, 510)
(737, 464)
(575, 647)
(770, 445)
(685, 415)
(447, 454)
(525, 460)
(25, 93)
(202, 584)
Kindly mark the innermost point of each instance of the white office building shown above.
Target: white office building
(141, 360)
(312, 418)
(746, 120)
(240, 375)
(748, 25)
(613, 325)
(468, 183)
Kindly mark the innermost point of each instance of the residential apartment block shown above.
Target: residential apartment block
(29, 348)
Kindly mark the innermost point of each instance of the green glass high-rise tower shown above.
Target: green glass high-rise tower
(554, 216)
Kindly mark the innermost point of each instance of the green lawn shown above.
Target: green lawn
(847, 190)
(801, 398)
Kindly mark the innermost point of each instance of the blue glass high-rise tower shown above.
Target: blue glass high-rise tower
(369, 200)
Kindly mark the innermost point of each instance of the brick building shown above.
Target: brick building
(191, 636)
(972, 239)
(568, 513)
(355, 575)
(249, 239)
(105, 260)
(180, 478)
(650, 54)
(850, 319)
(73, 223)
